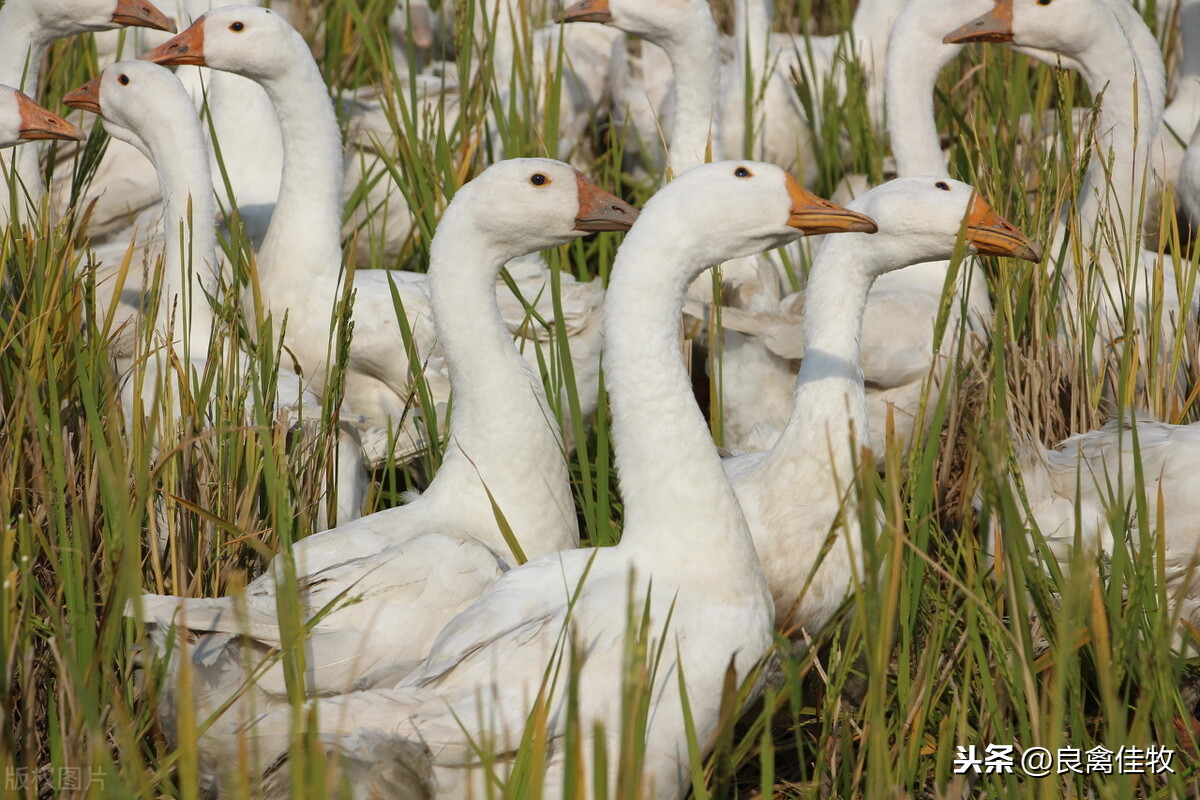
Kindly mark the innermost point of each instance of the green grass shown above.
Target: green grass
(937, 651)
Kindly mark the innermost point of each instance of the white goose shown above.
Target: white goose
(803, 489)
(1073, 490)
(685, 555)
(122, 194)
(412, 568)
(147, 107)
(22, 120)
(27, 29)
(1116, 269)
(304, 238)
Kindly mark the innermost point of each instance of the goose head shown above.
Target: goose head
(256, 43)
(523, 205)
(1058, 26)
(412, 19)
(663, 20)
(130, 96)
(920, 220)
(62, 18)
(22, 120)
(729, 209)
(924, 23)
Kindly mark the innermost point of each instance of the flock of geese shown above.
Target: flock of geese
(431, 625)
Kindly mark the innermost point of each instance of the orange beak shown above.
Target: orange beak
(587, 11)
(38, 123)
(142, 14)
(186, 48)
(994, 26)
(601, 211)
(86, 97)
(813, 215)
(993, 235)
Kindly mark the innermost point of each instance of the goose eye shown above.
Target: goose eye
(1043, 2)
(945, 187)
(742, 172)
(237, 27)
(123, 79)
(538, 179)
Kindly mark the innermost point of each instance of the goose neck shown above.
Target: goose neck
(176, 146)
(490, 381)
(306, 224)
(829, 403)
(467, 319)
(693, 50)
(871, 28)
(873, 20)
(1189, 30)
(752, 25)
(1129, 120)
(915, 59)
(674, 488)
(247, 131)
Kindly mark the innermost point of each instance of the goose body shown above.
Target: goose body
(385, 585)
(1084, 492)
(685, 552)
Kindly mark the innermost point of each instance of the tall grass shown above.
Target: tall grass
(957, 637)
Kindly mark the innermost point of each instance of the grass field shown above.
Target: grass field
(936, 652)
